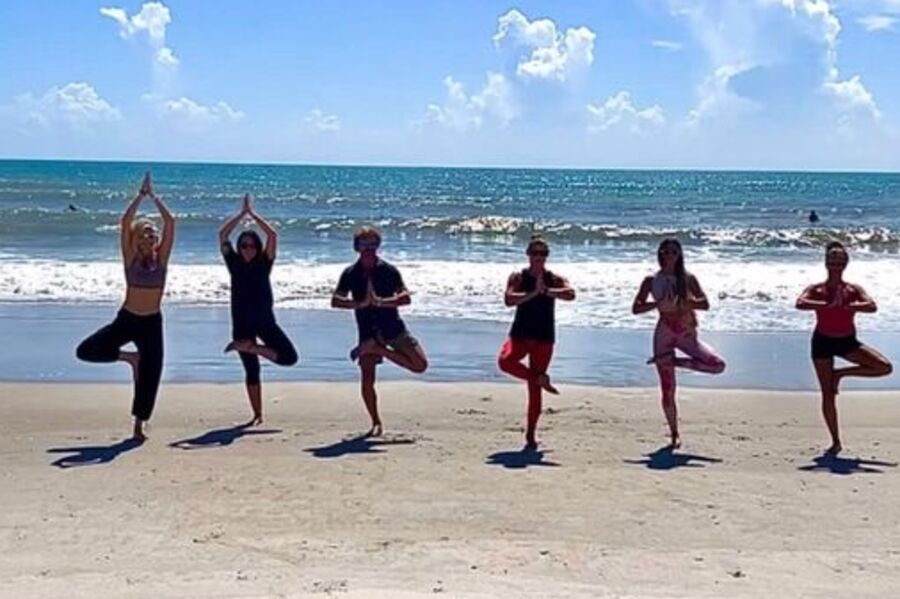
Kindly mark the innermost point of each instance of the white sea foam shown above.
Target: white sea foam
(751, 296)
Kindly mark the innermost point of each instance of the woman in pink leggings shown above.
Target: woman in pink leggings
(676, 295)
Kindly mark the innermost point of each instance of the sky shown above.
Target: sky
(721, 84)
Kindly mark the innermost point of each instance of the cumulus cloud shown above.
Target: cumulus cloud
(322, 122)
(549, 53)
(756, 37)
(462, 112)
(667, 45)
(619, 110)
(76, 104)
(877, 22)
(191, 111)
(151, 20)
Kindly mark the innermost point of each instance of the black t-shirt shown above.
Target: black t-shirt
(536, 318)
(374, 322)
(251, 290)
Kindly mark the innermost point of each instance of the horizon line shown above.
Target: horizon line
(707, 169)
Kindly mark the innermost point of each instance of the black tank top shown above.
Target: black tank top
(535, 319)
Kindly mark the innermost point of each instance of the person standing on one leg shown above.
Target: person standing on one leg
(676, 295)
(533, 291)
(146, 257)
(836, 302)
(252, 314)
(374, 290)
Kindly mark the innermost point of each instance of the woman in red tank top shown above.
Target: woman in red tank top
(835, 303)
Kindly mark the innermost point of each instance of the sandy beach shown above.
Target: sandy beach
(446, 504)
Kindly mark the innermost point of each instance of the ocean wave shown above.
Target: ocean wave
(750, 296)
(488, 227)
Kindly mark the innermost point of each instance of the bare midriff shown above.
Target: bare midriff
(143, 301)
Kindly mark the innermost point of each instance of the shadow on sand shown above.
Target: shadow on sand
(93, 455)
(221, 437)
(360, 444)
(829, 462)
(517, 460)
(667, 458)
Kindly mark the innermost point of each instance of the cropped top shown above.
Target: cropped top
(140, 275)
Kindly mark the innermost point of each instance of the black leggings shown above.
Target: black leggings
(272, 337)
(146, 332)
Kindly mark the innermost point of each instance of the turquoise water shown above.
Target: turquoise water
(456, 234)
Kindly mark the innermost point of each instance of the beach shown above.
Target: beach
(446, 504)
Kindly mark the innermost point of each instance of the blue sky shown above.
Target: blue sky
(772, 84)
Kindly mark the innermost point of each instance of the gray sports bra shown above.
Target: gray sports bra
(140, 276)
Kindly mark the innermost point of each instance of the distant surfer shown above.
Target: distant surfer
(813, 217)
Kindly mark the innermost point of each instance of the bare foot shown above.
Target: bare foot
(836, 382)
(835, 449)
(544, 382)
(530, 443)
(376, 431)
(244, 345)
(133, 359)
(137, 432)
(255, 421)
(354, 354)
(664, 359)
(675, 443)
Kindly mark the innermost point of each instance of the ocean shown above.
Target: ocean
(456, 234)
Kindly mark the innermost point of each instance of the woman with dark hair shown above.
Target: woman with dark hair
(676, 296)
(252, 314)
(533, 291)
(836, 302)
(145, 255)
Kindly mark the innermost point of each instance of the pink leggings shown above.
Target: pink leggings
(668, 338)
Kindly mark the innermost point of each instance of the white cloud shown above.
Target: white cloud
(852, 94)
(877, 22)
(668, 45)
(321, 121)
(76, 104)
(553, 55)
(152, 20)
(165, 56)
(619, 111)
(741, 36)
(191, 111)
(463, 112)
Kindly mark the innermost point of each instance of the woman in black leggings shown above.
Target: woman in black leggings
(146, 257)
(252, 316)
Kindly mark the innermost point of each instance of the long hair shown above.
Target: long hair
(680, 272)
(255, 238)
(137, 226)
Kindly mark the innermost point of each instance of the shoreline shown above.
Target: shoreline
(44, 337)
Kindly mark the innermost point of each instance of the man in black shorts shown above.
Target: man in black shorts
(374, 290)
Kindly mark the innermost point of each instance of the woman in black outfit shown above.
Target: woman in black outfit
(252, 316)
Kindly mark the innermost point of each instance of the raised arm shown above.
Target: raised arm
(697, 299)
(640, 304)
(807, 300)
(229, 225)
(563, 292)
(125, 233)
(168, 234)
(271, 234)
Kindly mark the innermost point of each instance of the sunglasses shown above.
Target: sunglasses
(363, 245)
(539, 253)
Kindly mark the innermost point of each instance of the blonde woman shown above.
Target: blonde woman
(145, 256)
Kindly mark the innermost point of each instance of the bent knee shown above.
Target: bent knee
(886, 368)
(288, 359)
(718, 367)
(420, 366)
